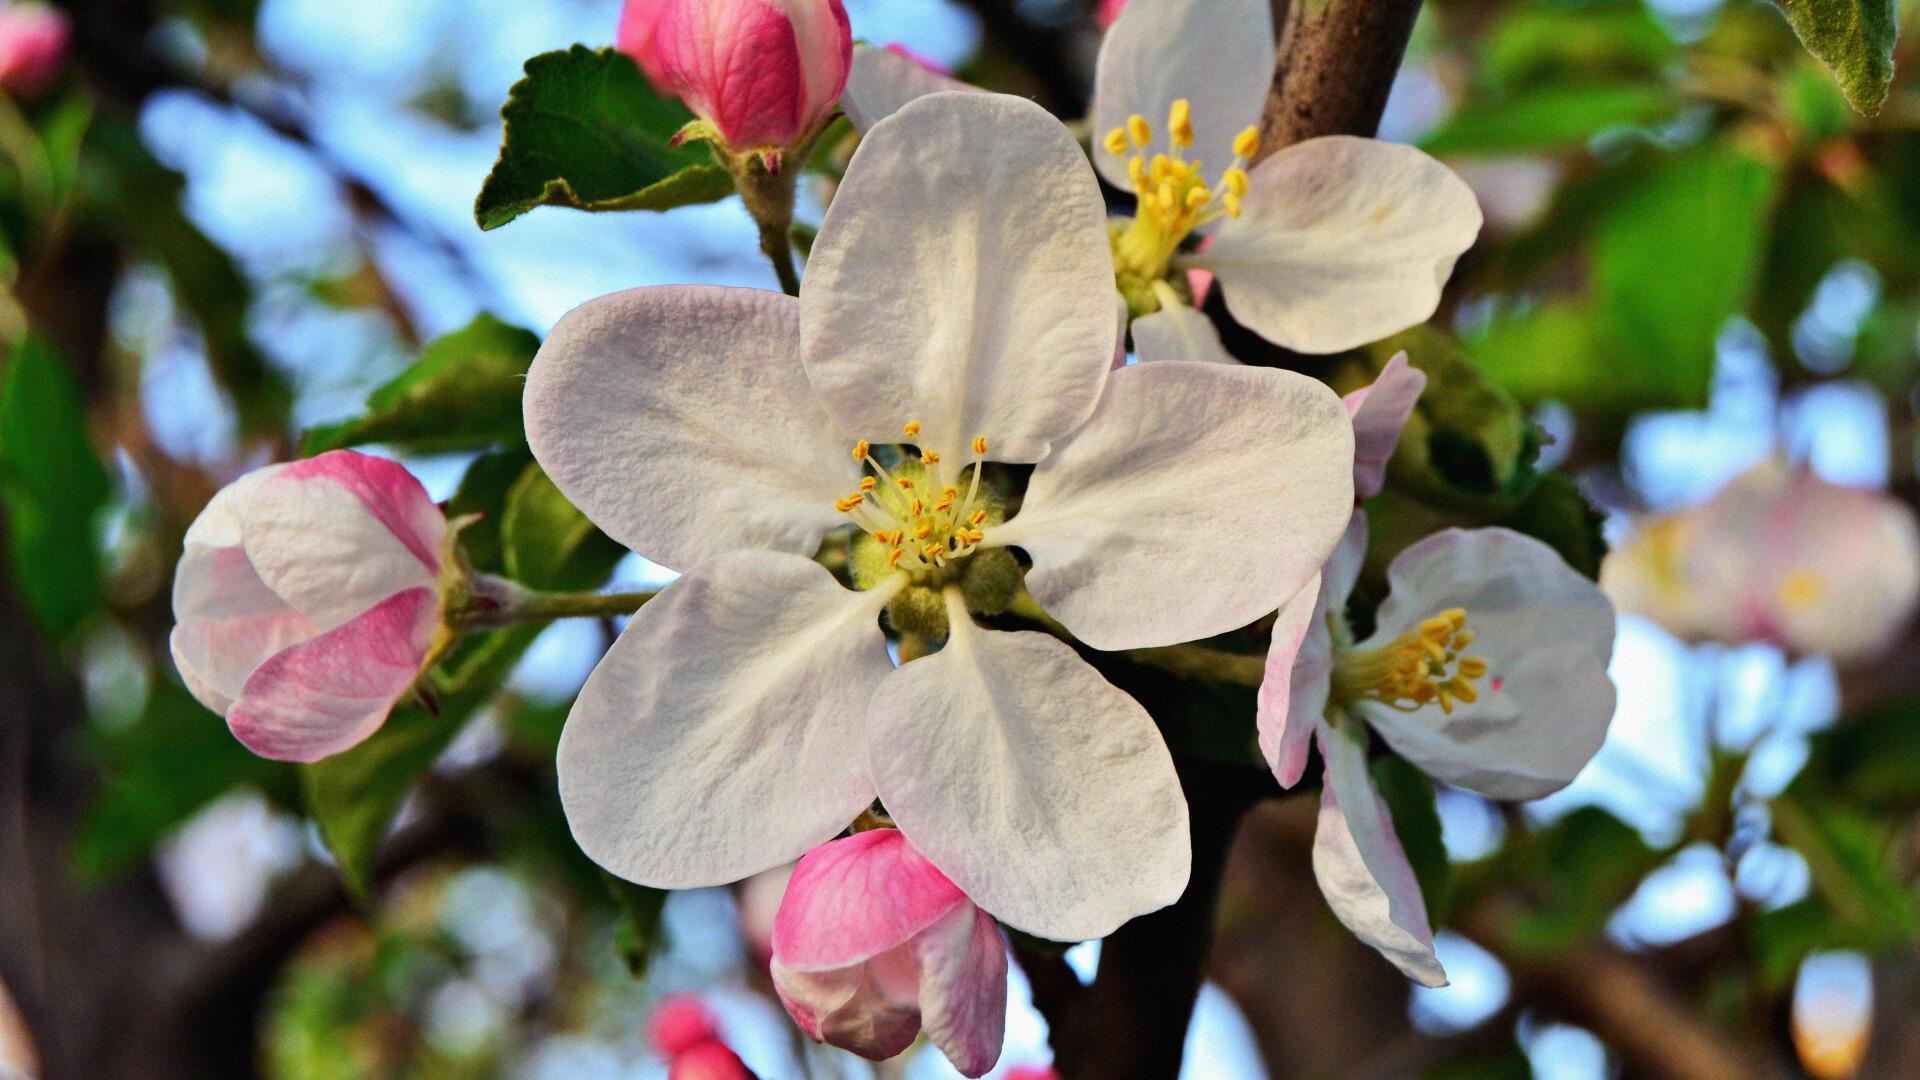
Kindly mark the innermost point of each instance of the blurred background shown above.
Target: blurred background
(227, 221)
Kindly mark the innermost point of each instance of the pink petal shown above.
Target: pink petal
(638, 20)
(1293, 692)
(963, 988)
(323, 696)
(710, 1060)
(762, 72)
(389, 492)
(679, 1023)
(1379, 412)
(852, 899)
(33, 47)
(871, 1008)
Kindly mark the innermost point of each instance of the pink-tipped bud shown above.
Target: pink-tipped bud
(680, 1023)
(1108, 10)
(710, 1060)
(765, 73)
(33, 47)
(873, 941)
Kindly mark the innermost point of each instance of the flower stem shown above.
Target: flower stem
(523, 605)
(1186, 661)
(777, 244)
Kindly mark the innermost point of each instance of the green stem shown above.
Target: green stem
(1186, 661)
(777, 244)
(528, 606)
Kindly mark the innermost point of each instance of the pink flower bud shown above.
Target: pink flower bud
(306, 601)
(1108, 10)
(33, 46)
(680, 1023)
(872, 941)
(710, 1060)
(766, 73)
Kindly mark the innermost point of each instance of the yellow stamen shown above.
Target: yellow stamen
(1801, 590)
(1422, 666)
(1180, 123)
(861, 449)
(1247, 143)
(1116, 141)
(980, 445)
(905, 484)
(978, 517)
(894, 556)
(912, 429)
(929, 457)
(867, 483)
(1236, 181)
(1139, 131)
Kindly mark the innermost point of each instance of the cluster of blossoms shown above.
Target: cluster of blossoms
(946, 402)
(1779, 556)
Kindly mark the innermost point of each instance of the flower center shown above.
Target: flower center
(1421, 666)
(1174, 199)
(1801, 589)
(927, 516)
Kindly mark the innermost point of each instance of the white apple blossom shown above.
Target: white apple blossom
(1515, 718)
(1322, 246)
(958, 304)
(1779, 555)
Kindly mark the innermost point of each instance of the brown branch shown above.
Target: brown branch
(1334, 68)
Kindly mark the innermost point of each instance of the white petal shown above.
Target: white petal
(1546, 634)
(722, 733)
(1293, 695)
(962, 278)
(1198, 498)
(1218, 54)
(963, 988)
(1341, 241)
(883, 81)
(680, 421)
(1178, 332)
(337, 534)
(1362, 869)
(1042, 791)
(1380, 411)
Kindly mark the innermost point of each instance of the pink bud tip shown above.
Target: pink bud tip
(710, 1060)
(33, 47)
(680, 1023)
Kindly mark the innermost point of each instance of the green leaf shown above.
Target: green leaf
(1583, 867)
(1468, 443)
(1548, 118)
(549, 544)
(1854, 38)
(1849, 855)
(1872, 760)
(483, 491)
(173, 760)
(1416, 821)
(638, 935)
(354, 796)
(52, 486)
(583, 129)
(1556, 513)
(1544, 43)
(463, 392)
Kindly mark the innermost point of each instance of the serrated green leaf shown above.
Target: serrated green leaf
(638, 934)
(173, 760)
(1548, 118)
(1416, 821)
(547, 543)
(1854, 38)
(463, 392)
(583, 129)
(354, 796)
(52, 486)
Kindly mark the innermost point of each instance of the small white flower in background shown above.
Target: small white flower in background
(1323, 246)
(959, 304)
(1487, 668)
(306, 601)
(1781, 556)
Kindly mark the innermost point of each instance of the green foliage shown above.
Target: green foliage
(52, 486)
(1416, 821)
(548, 544)
(1582, 868)
(483, 494)
(1872, 760)
(173, 760)
(1854, 38)
(1860, 899)
(1559, 43)
(638, 934)
(1549, 118)
(354, 796)
(583, 129)
(463, 392)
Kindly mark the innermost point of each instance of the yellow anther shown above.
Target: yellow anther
(905, 484)
(894, 556)
(922, 531)
(915, 508)
(1116, 141)
(980, 444)
(1232, 203)
(1160, 168)
(1166, 196)
(1180, 123)
(945, 503)
(1236, 181)
(1801, 589)
(1247, 143)
(912, 429)
(861, 449)
(929, 457)
(949, 492)
(978, 517)
(867, 483)
(1463, 639)
(1472, 667)
(975, 535)
(847, 504)
(934, 550)
(1463, 689)
(1139, 131)
(1198, 197)
(1422, 666)
(1137, 172)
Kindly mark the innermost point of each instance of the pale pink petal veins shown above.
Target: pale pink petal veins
(325, 695)
(1293, 693)
(762, 71)
(1380, 411)
(854, 898)
(963, 988)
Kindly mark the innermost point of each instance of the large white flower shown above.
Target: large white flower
(958, 304)
(1323, 246)
(1517, 717)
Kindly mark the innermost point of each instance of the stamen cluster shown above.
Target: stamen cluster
(1173, 194)
(923, 520)
(1420, 667)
